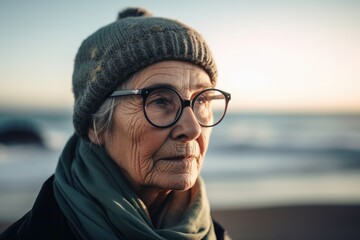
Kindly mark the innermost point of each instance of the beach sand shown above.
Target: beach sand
(292, 222)
(313, 222)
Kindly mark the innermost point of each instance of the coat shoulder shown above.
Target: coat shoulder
(220, 231)
(44, 221)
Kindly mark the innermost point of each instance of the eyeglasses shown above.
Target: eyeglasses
(163, 106)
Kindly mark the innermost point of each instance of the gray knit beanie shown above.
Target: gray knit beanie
(112, 54)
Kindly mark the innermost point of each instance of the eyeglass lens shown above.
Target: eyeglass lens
(163, 107)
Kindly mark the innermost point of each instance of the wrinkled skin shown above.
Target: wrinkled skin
(156, 161)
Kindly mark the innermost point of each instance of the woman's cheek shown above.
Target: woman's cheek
(143, 152)
(203, 140)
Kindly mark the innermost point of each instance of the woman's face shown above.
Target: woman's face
(150, 157)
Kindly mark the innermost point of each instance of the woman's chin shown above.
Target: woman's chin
(181, 182)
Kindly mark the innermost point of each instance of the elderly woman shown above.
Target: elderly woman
(145, 102)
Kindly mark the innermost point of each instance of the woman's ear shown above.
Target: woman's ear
(94, 137)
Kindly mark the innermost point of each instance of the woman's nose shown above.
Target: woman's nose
(187, 128)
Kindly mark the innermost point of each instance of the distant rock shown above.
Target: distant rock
(20, 132)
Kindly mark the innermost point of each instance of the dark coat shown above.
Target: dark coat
(46, 221)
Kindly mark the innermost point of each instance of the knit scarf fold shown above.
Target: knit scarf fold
(99, 204)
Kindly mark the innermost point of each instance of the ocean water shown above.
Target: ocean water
(284, 159)
(254, 159)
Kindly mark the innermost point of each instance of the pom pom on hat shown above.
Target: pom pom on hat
(133, 12)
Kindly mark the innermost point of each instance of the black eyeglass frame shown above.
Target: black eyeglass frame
(145, 92)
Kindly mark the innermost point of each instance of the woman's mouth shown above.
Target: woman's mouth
(178, 158)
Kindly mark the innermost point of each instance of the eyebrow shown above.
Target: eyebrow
(169, 85)
(159, 85)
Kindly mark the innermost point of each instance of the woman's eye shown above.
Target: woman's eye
(160, 101)
(201, 100)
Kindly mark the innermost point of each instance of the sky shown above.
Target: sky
(271, 55)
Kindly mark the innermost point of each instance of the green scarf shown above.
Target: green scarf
(99, 204)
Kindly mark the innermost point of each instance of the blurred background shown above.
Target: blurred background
(291, 137)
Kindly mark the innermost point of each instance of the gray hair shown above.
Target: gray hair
(101, 121)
